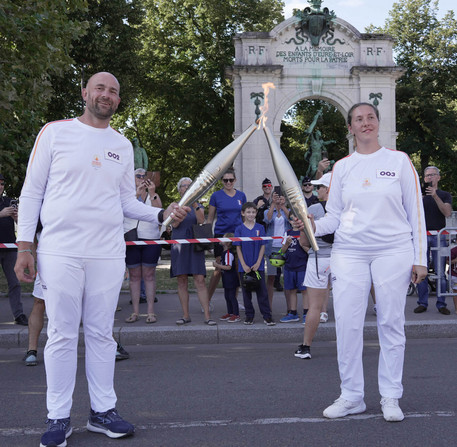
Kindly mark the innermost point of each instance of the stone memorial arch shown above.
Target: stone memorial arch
(313, 55)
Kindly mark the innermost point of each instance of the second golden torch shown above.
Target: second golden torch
(213, 171)
(290, 186)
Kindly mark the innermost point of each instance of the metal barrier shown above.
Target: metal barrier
(450, 230)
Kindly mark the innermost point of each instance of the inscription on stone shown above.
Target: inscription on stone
(310, 54)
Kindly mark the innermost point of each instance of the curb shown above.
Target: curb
(222, 334)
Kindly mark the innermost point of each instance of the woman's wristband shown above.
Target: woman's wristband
(25, 251)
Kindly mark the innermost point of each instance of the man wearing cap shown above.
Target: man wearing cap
(307, 187)
(8, 215)
(263, 202)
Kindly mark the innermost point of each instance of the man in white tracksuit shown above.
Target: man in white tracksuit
(375, 209)
(80, 182)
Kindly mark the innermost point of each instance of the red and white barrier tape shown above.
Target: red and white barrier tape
(214, 239)
(206, 241)
(184, 241)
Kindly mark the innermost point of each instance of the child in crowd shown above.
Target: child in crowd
(230, 282)
(250, 258)
(294, 272)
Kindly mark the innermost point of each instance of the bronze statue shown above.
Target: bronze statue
(316, 151)
(140, 157)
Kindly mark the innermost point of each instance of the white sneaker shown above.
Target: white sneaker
(342, 407)
(391, 410)
(324, 317)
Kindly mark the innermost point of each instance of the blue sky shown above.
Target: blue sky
(361, 13)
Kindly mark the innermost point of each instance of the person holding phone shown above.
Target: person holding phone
(277, 220)
(8, 256)
(375, 210)
(263, 202)
(324, 165)
(141, 260)
(437, 206)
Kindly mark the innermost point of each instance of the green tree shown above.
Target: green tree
(183, 114)
(35, 41)
(427, 93)
(110, 43)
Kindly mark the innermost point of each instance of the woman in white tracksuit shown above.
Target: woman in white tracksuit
(375, 209)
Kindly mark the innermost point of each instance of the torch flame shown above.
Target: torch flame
(266, 90)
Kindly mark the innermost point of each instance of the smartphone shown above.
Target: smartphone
(154, 176)
(14, 203)
(425, 186)
(324, 155)
(278, 191)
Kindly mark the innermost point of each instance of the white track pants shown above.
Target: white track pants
(76, 289)
(352, 275)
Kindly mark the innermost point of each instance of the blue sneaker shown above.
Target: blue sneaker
(109, 423)
(30, 359)
(290, 318)
(57, 433)
(304, 319)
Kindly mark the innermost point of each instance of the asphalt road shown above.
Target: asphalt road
(243, 395)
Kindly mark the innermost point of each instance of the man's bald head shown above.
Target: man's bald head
(103, 76)
(101, 95)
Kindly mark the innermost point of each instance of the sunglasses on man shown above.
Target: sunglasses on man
(140, 175)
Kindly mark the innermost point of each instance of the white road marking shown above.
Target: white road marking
(9, 432)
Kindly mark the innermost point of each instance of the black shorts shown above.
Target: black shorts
(147, 255)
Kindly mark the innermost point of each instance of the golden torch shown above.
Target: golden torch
(290, 186)
(213, 171)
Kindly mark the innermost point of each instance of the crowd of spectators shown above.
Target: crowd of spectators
(225, 212)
